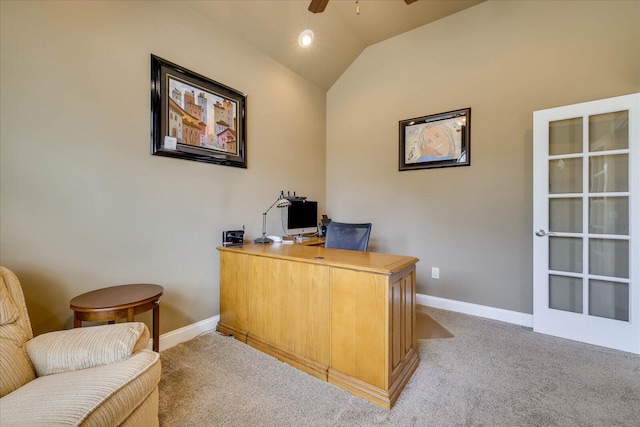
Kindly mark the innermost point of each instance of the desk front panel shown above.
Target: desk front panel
(288, 306)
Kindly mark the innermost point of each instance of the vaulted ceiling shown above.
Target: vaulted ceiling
(341, 34)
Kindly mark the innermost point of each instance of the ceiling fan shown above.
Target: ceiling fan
(317, 6)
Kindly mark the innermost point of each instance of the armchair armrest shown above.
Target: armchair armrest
(82, 348)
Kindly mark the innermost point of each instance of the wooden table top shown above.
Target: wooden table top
(117, 297)
(355, 260)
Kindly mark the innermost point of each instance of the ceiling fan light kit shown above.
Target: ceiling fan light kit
(305, 38)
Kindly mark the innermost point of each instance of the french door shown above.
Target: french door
(586, 219)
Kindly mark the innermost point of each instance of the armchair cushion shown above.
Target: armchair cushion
(82, 348)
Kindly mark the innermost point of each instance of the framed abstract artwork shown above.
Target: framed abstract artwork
(435, 141)
(196, 118)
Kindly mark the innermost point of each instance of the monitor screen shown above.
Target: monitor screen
(302, 217)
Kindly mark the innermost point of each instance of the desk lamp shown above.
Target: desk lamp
(280, 202)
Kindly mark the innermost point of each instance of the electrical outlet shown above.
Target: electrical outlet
(435, 272)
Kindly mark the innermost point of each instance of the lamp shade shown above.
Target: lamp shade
(283, 203)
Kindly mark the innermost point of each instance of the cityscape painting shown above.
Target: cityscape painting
(196, 118)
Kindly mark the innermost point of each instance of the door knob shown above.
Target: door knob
(541, 233)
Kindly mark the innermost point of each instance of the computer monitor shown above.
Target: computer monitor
(302, 217)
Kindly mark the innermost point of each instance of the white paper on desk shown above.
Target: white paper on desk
(170, 142)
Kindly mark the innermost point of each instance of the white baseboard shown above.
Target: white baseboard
(188, 332)
(515, 317)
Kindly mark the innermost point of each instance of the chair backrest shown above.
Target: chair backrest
(342, 235)
(15, 330)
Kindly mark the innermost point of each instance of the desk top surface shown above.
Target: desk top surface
(363, 261)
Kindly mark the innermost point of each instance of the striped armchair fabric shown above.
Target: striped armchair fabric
(98, 376)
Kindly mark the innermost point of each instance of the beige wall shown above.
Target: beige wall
(504, 59)
(84, 205)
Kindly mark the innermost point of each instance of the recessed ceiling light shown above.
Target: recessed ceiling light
(305, 38)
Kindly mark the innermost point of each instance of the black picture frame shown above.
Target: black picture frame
(196, 118)
(435, 141)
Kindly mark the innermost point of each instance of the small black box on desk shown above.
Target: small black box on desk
(232, 238)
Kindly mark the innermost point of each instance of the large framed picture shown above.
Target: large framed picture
(436, 141)
(196, 118)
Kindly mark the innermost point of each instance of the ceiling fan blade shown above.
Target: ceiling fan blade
(317, 6)
(410, 1)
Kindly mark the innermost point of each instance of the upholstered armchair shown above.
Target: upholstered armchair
(94, 376)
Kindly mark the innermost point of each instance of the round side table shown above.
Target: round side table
(119, 302)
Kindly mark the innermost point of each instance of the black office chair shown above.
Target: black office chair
(342, 235)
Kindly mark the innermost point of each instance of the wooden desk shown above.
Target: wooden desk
(345, 317)
(119, 302)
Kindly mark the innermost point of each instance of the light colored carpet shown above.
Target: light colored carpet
(490, 373)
